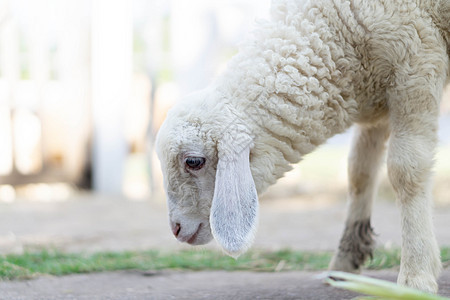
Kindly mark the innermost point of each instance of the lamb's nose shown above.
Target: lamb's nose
(176, 229)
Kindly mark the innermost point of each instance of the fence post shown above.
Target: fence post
(111, 81)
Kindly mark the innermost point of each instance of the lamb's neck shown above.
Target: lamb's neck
(288, 82)
(299, 111)
(293, 86)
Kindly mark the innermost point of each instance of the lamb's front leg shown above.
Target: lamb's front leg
(357, 242)
(410, 161)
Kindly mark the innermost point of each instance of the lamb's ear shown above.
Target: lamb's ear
(234, 210)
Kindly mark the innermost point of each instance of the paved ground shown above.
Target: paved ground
(187, 285)
(91, 223)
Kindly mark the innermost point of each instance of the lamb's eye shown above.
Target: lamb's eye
(194, 163)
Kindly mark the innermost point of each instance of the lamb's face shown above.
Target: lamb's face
(190, 189)
(204, 149)
(188, 161)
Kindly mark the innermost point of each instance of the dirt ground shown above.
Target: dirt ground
(93, 223)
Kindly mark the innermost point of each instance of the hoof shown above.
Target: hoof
(345, 263)
(423, 282)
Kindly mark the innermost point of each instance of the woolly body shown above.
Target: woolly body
(311, 72)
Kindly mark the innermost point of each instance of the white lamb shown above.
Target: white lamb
(311, 72)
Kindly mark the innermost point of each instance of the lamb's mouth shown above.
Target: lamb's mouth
(192, 239)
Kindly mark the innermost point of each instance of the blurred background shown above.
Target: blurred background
(85, 85)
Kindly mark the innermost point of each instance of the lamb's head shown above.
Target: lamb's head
(204, 153)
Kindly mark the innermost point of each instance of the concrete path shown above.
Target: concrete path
(187, 285)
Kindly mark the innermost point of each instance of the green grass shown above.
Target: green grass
(53, 262)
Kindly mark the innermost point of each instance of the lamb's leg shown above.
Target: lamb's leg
(357, 240)
(410, 160)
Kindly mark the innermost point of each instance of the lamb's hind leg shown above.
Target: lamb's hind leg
(357, 241)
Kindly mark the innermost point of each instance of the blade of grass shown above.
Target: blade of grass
(377, 287)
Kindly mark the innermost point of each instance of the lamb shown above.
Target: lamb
(312, 71)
